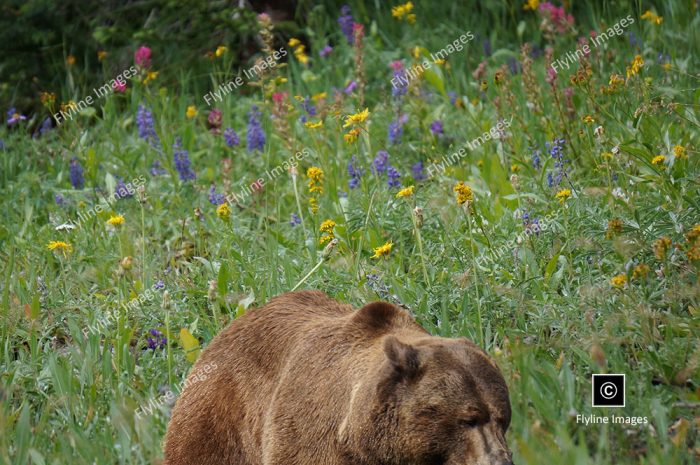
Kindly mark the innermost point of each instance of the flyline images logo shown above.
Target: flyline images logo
(608, 390)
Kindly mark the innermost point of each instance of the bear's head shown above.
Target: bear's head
(431, 401)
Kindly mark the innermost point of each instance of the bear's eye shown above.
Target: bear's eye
(468, 422)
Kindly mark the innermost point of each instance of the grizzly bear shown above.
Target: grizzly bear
(306, 380)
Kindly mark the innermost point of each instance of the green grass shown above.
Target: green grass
(542, 303)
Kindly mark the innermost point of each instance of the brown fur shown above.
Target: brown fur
(306, 380)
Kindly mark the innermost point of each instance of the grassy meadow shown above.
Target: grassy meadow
(472, 164)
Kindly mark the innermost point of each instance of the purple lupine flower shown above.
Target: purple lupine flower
(381, 162)
(394, 176)
(182, 161)
(513, 65)
(531, 225)
(59, 199)
(452, 95)
(13, 117)
(122, 191)
(536, 160)
(44, 128)
(399, 83)
(556, 151)
(294, 220)
(376, 283)
(634, 40)
(159, 285)
(156, 169)
(76, 174)
(214, 198)
(417, 172)
(309, 108)
(147, 130)
(231, 137)
(325, 51)
(395, 132)
(436, 128)
(354, 172)
(350, 87)
(255, 135)
(346, 21)
(487, 47)
(156, 340)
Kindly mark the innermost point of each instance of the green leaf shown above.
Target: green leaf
(190, 344)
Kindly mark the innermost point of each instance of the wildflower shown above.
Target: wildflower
(182, 161)
(417, 171)
(59, 199)
(405, 192)
(231, 137)
(47, 98)
(220, 50)
(464, 193)
(399, 83)
(531, 5)
(156, 340)
(382, 250)
(394, 177)
(312, 125)
(151, 76)
(346, 21)
(76, 174)
(142, 57)
(327, 230)
(325, 51)
(119, 87)
(679, 152)
(14, 117)
(147, 131)
(223, 211)
(214, 119)
(693, 239)
(60, 246)
(122, 190)
(556, 151)
(652, 17)
(115, 220)
(351, 136)
(381, 162)
(294, 220)
(350, 87)
(658, 160)
(640, 271)
(436, 128)
(356, 118)
(313, 203)
(588, 119)
(395, 132)
(536, 160)
(354, 172)
(636, 65)
(101, 55)
(514, 168)
(214, 198)
(191, 111)
(70, 60)
(315, 175)
(156, 169)
(598, 131)
(660, 247)
(614, 228)
(403, 11)
(563, 195)
(255, 135)
(619, 281)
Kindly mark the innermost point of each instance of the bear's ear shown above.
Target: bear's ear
(403, 358)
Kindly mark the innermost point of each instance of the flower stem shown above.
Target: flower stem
(476, 280)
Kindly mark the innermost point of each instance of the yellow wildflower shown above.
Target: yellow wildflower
(47, 98)
(411, 18)
(191, 111)
(327, 226)
(588, 119)
(640, 271)
(616, 80)
(223, 211)
(293, 42)
(315, 176)
(356, 118)
(652, 17)
(115, 220)
(351, 136)
(401, 11)
(660, 246)
(382, 250)
(514, 168)
(313, 203)
(150, 76)
(531, 5)
(220, 50)
(658, 160)
(70, 60)
(679, 152)
(563, 195)
(101, 55)
(464, 193)
(607, 154)
(636, 65)
(439, 61)
(619, 281)
(312, 125)
(614, 228)
(61, 246)
(319, 96)
(405, 192)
